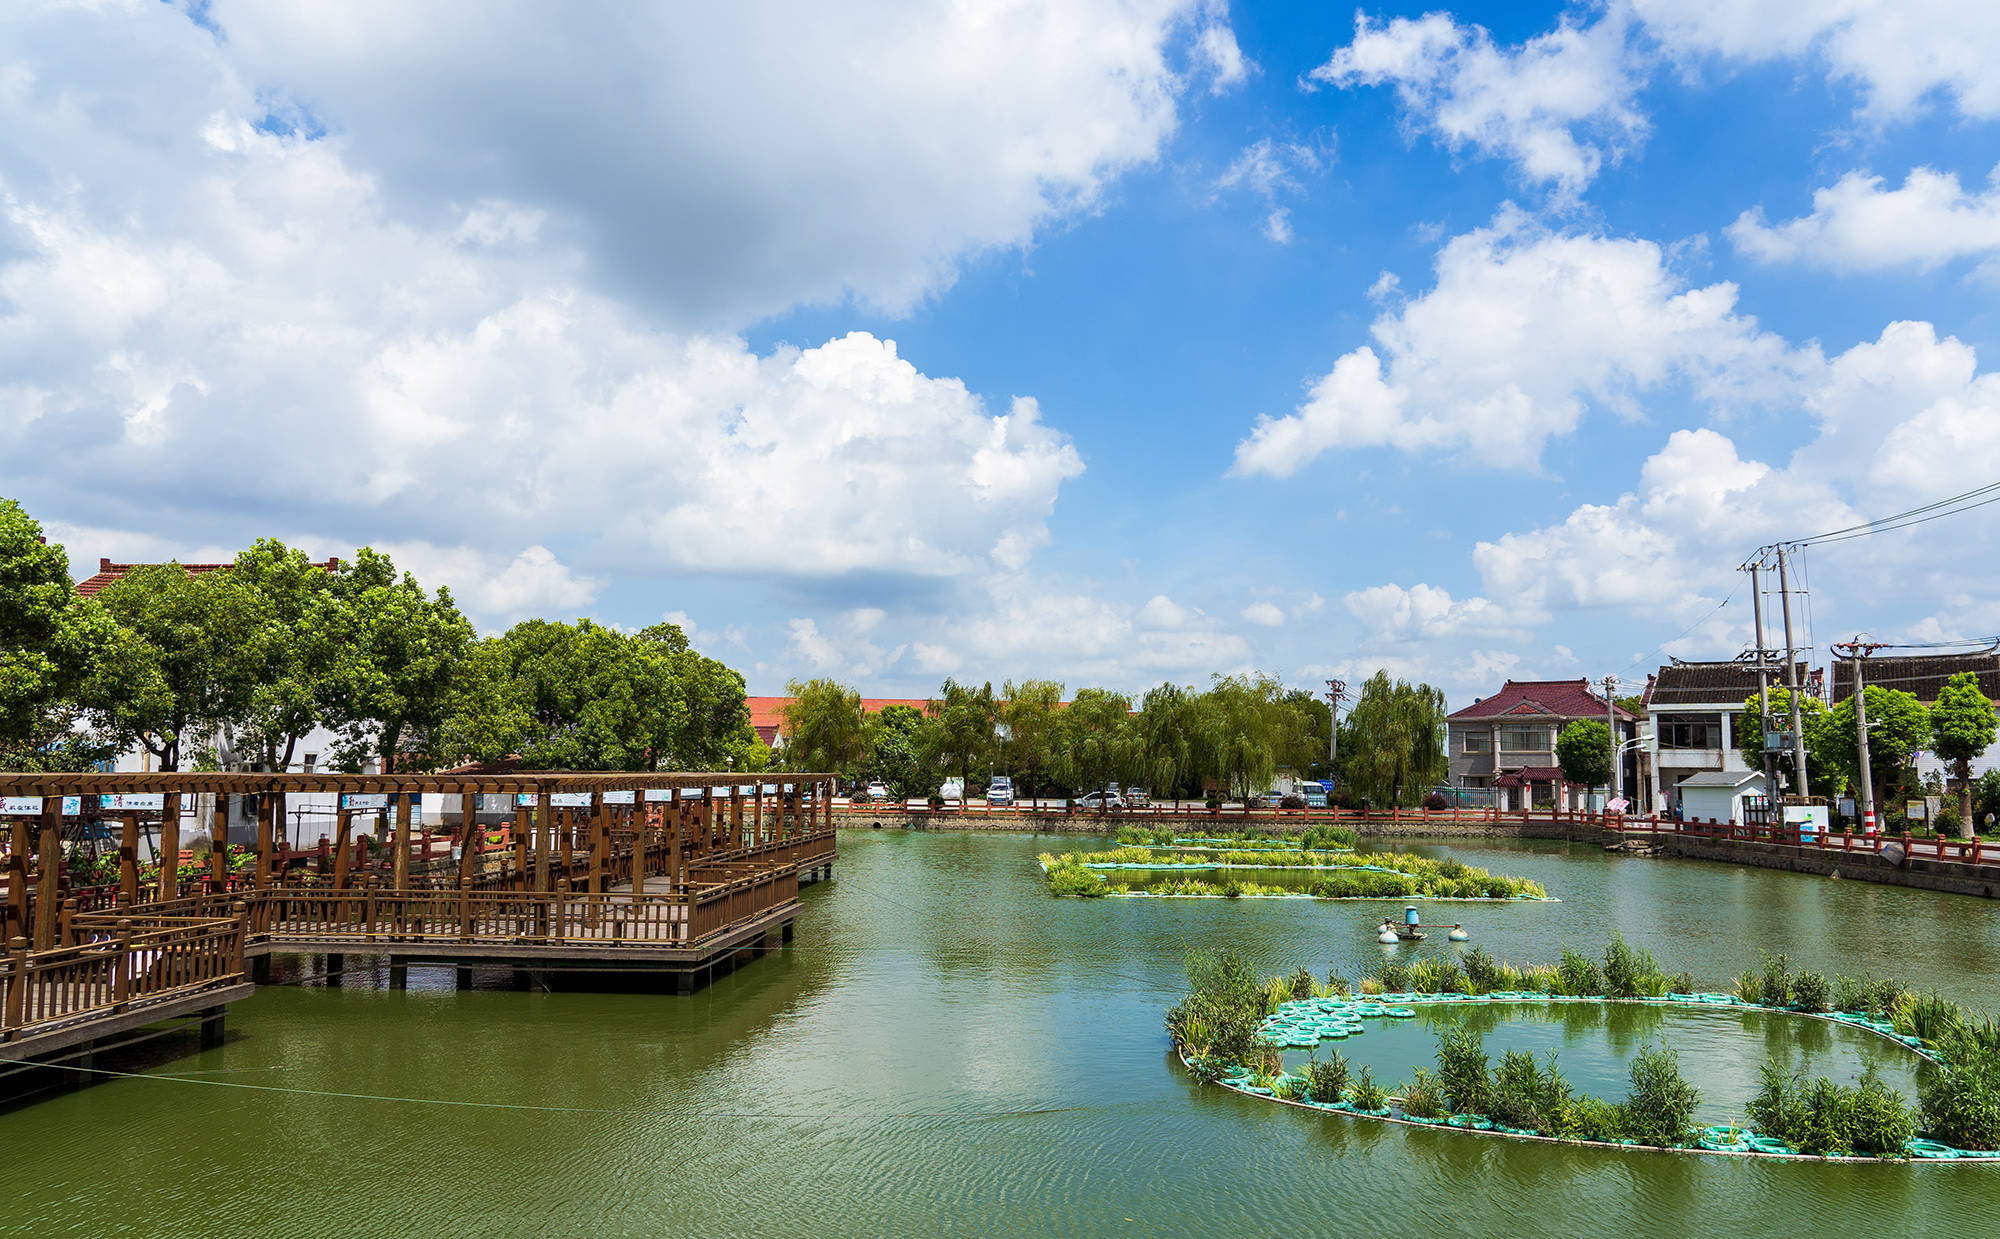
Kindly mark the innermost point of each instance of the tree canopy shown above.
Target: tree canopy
(1583, 750)
(1821, 772)
(1898, 726)
(50, 642)
(1962, 728)
(1394, 740)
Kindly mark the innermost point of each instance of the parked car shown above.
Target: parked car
(1137, 796)
(876, 790)
(1106, 799)
(1000, 791)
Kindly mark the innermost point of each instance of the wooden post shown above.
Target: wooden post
(343, 847)
(545, 834)
(470, 836)
(218, 842)
(521, 829)
(128, 859)
(600, 845)
(121, 964)
(48, 873)
(757, 812)
(17, 878)
(17, 993)
(403, 807)
(736, 816)
(66, 924)
(170, 847)
(675, 817)
(269, 823)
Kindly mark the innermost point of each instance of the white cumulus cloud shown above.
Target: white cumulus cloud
(1859, 224)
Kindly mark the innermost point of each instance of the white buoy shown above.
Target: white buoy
(1458, 934)
(1387, 937)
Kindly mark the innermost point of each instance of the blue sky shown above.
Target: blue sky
(1468, 342)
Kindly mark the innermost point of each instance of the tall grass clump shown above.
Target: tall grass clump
(1433, 974)
(1958, 1096)
(1067, 876)
(1821, 1117)
(1422, 1098)
(1323, 838)
(1749, 988)
(1630, 973)
(1811, 993)
(1366, 1093)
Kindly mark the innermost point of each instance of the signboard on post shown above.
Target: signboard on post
(557, 800)
(364, 800)
(1916, 810)
(624, 797)
(132, 802)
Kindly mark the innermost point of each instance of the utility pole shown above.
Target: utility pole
(1611, 725)
(1763, 681)
(1858, 651)
(1792, 679)
(1336, 692)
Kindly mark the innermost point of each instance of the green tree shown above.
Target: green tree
(49, 642)
(895, 755)
(825, 728)
(1094, 742)
(1962, 726)
(1820, 772)
(1394, 740)
(1244, 722)
(1027, 716)
(399, 691)
(1168, 742)
(1898, 726)
(302, 645)
(694, 706)
(579, 685)
(962, 741)
(1583, 750)
(185, 660)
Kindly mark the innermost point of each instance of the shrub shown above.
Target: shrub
(1776, 985)
(1291, 802)
(1393, 975)
(1434, 802)
(1849, 994)
(1327, 1080)
(1516, 1097)
(1682, 983)
(1336, 985)
(1883, 997)
(1811, 992)
(1577, 976)
(1593, 1118)
(1422, 1098)
(1366, 1094)
(1627, 973)
(1462, 1072)
(1290, 1088)
(1825, 1116)
(1482, 975)
(1302, 983)
(1880, 1121)
(1959, 1095)
(1776, 1109)
(1372, 986)
(1661, 1108)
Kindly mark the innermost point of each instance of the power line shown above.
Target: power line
(1915, 516)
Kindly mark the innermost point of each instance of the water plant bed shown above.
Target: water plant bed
(1342, 875)
(1232, 1030)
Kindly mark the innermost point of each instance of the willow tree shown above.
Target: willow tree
(1394, 739)
(1095, 741)
(825, 727)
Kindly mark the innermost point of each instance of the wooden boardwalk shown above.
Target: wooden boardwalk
(684, 874)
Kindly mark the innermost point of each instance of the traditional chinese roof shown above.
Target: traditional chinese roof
(1683, 684)
(1563, 699)
(1922, 676)
(1530, 774)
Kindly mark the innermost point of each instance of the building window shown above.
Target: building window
(1689, 731)
(1524, 739)
(312, 759)
(1478, 742)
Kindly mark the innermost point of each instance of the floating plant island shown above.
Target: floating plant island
(1329, 874)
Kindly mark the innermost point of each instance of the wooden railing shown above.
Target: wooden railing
(119, 963)
(1960, 851)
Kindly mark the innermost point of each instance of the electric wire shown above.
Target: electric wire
(1915, 516)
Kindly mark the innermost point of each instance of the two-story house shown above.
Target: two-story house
(1694, 713)
(1507, 742)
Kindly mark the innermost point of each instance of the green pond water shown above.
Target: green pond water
(947, 1050)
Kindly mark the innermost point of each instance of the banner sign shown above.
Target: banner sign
(770, 789)
(72, 806)
(624, 797)
(659, 793)
(720, 793)
(748, 789)
(133, 802)
(364, 800)
(694, 793)
(557, 800)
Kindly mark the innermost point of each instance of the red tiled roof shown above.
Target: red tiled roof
(769, 712)
(108, 572)
(1566, 699)
(1530, 774)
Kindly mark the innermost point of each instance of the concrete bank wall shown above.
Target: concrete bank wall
(1088, 824)
(1949, 877)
